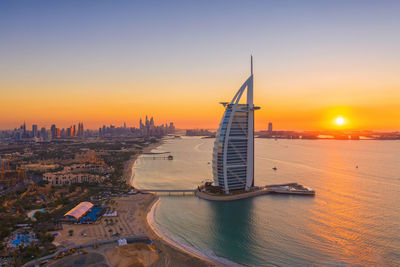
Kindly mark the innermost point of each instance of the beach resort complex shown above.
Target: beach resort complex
(197, 134)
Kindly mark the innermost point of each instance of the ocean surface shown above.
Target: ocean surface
(354, 219)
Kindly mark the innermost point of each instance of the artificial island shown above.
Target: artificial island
(233, 154)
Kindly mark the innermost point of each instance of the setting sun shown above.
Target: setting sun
(340, 121)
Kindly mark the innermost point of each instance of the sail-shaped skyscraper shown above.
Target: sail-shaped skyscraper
(233, 154)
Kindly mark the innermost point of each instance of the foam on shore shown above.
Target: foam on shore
(150, 218)
(209, 257)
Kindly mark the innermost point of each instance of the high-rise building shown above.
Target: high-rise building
(269, 127)
(80, 129)
(43, 133)
(23, 131)
(171, 128)
(53, 131)
(233, 153)
(34, 130)
(69, 131)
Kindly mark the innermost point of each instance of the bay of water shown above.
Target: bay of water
(354, 219)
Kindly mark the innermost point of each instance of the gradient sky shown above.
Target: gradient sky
(107, 62)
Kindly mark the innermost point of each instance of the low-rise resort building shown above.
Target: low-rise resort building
(64, 177)
(79, 173)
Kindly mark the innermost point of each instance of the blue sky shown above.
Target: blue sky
(341, 52)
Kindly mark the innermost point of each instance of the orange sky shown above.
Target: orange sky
(191, 102)
(100, 64)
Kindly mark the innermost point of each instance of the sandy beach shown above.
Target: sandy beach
(131, 220)
(133, 213)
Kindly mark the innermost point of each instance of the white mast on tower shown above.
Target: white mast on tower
(250, 131)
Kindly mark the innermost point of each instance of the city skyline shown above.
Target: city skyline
(314, 62)
(73, 123)
(199, 133)
(146, 128)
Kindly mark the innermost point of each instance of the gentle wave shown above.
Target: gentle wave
(157, 228)
(353, 219)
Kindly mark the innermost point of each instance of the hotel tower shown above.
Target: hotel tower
(233, 154)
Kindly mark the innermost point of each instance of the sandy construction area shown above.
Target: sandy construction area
(131, 220)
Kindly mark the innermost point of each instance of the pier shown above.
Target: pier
(205, 192)
(202, 192)
(161, 155)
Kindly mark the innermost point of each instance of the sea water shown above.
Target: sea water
(354, 218)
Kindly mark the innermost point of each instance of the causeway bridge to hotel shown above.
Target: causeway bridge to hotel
(287, 188)
(169, 191)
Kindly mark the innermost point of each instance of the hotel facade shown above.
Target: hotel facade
(233, 153)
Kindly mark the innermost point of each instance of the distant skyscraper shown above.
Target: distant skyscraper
(151, 126)
(34, 130)
(171, 128)
(23, 132)
(270, 127)
(43, 133)
(233, 154)
(69, 131)
(53, 131)
(80, 129)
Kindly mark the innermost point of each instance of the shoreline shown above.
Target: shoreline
(150, 210)
(129, 165)
(214, 260)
